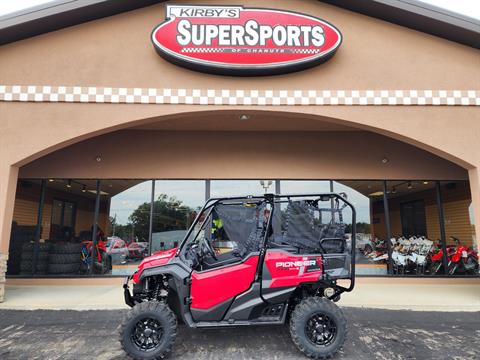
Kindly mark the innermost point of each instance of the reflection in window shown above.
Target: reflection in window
(176, 206)
(221, 188)
(370, 242)
(127, 233)
(304, 186)
(124, 217)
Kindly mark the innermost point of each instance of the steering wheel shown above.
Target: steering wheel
(209, 248)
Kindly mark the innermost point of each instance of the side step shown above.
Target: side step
(263, 320)
(224, 323)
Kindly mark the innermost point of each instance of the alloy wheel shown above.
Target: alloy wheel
(147, 334)
(321, 330)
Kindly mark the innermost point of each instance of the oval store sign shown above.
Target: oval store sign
(232, 40)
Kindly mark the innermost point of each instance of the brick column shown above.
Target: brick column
(474, 176)
(3, 270)
(8, 185)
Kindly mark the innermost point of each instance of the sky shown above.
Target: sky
(467, 7)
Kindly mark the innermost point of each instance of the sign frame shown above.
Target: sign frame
(231, 69)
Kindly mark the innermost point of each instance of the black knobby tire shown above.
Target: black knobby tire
(63, 268)
(64, 258)
(144, 317)
(29, 273)
(27, 266)
(314, 316)
(67, 248)
(106, 264)
(28, 255)
(41, 246)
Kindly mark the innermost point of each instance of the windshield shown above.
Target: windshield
(198, 231)
(237, 225)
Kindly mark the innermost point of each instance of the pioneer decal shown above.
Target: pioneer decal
(299, 263)
(232, 40)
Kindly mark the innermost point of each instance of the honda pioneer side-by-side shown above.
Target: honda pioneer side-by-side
(254, 260)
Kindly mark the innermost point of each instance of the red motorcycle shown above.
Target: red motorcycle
(461, 260)
(102, 262)
(464, 261)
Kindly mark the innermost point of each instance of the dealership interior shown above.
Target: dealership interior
(54, 220)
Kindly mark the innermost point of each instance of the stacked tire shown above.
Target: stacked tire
(27, 259)
(64, 259)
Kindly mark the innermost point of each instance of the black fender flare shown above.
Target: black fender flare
(179, 282)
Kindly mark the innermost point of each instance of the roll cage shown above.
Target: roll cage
(275, 201)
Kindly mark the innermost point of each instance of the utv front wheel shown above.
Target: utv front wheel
(318, 328)
(149, 331)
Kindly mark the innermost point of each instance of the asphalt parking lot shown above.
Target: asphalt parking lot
(373, 334)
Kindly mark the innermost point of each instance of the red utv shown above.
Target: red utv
(264, 260)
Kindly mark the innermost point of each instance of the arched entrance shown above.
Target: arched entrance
(219, 152)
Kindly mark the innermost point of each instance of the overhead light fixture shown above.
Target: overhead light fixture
(394, 190)
(98, 158)
(84, 188)
(425, 182)
(95, 192)
(244, 117)
(409, 185)
(385, 160)
(51, 180)
(69, 183)
(376, 193)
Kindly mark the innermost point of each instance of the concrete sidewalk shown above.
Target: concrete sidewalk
(381, 293)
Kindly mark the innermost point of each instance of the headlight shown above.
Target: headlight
(328, 292)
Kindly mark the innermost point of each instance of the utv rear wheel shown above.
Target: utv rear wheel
(318, 328)
(149, 331)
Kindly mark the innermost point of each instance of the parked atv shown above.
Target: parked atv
(285, 257)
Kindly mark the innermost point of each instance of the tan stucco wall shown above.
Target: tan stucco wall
(221, 154)
(116, 51)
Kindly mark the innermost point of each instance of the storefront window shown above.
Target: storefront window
(25, 213)
(304, 186)
(415, 228)
(176, 206)
(459, 229)
(128, 227)
(371, 246)
(65, 245)
(66, 225)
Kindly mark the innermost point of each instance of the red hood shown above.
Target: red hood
(157, 259)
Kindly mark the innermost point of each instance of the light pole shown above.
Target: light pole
(266, 184)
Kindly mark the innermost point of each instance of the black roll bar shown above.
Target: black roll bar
(270, 198)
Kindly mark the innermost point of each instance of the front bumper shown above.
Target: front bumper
(126, 293)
